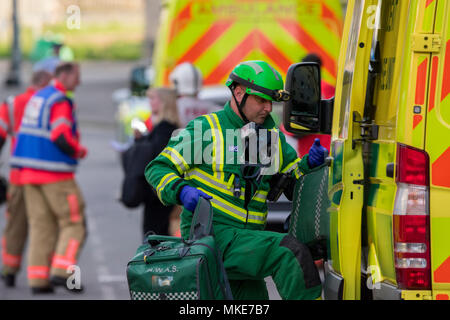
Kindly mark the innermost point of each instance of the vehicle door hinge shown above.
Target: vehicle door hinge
(426, 42)
(369, 132)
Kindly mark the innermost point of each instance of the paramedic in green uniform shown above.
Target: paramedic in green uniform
(208, 159)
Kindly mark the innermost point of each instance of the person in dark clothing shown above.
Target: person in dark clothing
(135, 189)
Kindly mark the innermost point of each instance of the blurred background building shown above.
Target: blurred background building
(94, 29)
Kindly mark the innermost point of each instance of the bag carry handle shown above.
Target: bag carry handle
(201, 225)
(154, 240)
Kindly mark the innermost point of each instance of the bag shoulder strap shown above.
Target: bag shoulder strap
(201, 225)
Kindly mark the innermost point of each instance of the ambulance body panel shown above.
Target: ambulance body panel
(217, 35)
(389, 181)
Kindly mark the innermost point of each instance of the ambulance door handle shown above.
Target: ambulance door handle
(390, 169)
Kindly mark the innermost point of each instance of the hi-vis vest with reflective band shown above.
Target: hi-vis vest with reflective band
(34, 148)
(217, 177)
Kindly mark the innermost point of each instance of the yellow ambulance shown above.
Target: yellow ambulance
(216, 35)
(389, 179)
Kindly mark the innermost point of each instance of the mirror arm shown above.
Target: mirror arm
(326, 115)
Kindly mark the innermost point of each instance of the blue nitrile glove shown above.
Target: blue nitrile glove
(189, 197)
(317, 154)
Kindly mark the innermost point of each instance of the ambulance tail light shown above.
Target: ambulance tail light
(412, 219)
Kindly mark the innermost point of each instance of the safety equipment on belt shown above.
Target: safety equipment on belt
(253, 142)
(317, 154)
(189, 197)
(279, 183)
(260, 79)
(187, 79)
(253, 134)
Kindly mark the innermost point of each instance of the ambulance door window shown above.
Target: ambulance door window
(349, 66)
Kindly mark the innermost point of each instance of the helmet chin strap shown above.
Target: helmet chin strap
(240, 106)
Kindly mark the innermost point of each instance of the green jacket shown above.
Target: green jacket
(206, 155)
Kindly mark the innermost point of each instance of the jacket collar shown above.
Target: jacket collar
(58, 85)
(269, 123)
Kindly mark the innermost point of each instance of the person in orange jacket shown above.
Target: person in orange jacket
(47, 151)
(16, 229)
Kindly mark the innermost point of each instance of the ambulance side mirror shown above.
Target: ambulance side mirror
(306, 112)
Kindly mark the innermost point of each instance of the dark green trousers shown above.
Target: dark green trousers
(252, 255)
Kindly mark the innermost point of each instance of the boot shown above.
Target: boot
(62, 282)
(9, 279)
(42, 290)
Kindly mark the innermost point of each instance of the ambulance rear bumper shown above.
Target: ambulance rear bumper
(386, 291)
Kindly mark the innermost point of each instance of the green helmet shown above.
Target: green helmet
(260, 79)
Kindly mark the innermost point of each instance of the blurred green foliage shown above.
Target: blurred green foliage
(108, 41)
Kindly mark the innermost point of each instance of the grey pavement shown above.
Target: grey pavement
(114, 232)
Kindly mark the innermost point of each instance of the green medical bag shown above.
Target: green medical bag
(310, 219)
(171, 268)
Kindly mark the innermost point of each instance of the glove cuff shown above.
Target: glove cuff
(177, 187)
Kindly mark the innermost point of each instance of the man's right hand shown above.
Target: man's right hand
(189, 197)
(82, 152)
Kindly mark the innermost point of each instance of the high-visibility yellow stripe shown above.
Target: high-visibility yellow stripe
(234, 207)
(260, 196)
(176, 158)
(234, 211)
(291, 166)
(218, 150)
(213, 135)
(163, 183)
(280, 149)
(211, 182)
(221, 143)
(230, 181)
(179, 157)
(180, 171)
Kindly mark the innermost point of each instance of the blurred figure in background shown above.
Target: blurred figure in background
(135, 189)
(47, 151)
(49, 63)
(188, 81)
(59, 53)
(16, 229)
